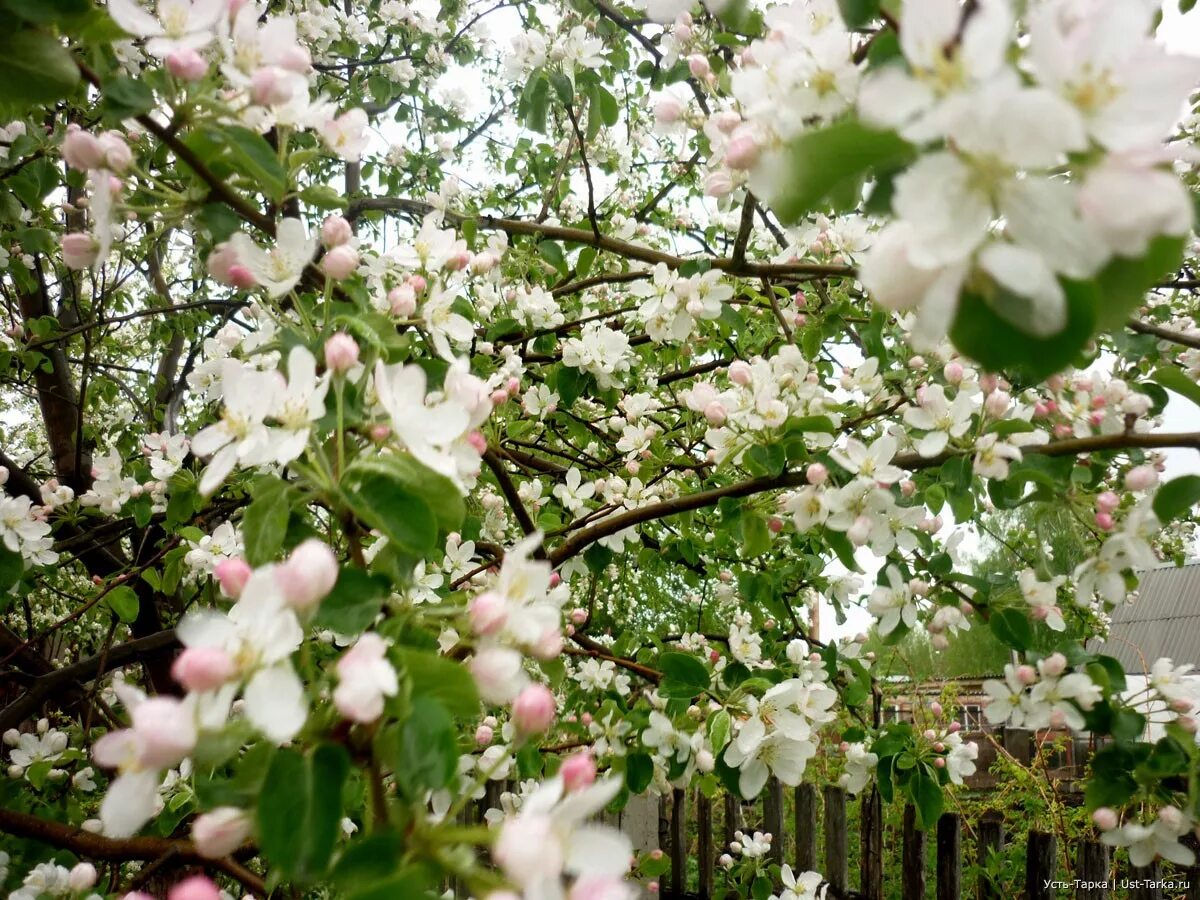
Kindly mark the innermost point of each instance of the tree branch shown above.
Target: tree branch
(97, 846)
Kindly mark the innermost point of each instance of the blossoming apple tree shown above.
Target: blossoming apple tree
(400, 399)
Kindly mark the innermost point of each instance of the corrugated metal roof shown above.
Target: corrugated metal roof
(1164, 621)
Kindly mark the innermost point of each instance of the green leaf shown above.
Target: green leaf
(718, 730)
(300, 809)
(537, 102)
(1176, 497)
(552, 253)
(831, 163)
(12, 566)
(756, 537)
(440, 494)
(927, 797)
(390, 504)
(639, 772)
(684, 676)
(124, 602)
(126, 98)
(563, 87)
(264, 523)
(428, 755)
(35, 68)
(440, 679)
(1012, 627)
(46, 11)
(859, 13)
(1176, 380)
(993, 340)
(354, 602)
(254, 157)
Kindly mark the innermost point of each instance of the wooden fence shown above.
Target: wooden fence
(1093, 873)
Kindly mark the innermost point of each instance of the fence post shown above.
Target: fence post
(949, 858)
(733, 818)
(1039, 866)
(1152, 874)
(1092, 871)
(837, 862)
(773, 819)
(912, 884)
(990, 839)
(704, 850)
(806, 828)
(871, 846)
(678, 841)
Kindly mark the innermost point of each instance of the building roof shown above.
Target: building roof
(1164, 621)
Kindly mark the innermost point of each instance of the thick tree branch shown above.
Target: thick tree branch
(701, 499)
(581, 236)
(96, 846)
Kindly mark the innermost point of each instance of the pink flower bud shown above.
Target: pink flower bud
(586, 718)
(714, 656)
(1187, 723)
(483, 735)
(533, 710)
(308, 574)
(775, 524)
(417, 283)
(997, 403)
(498, 397)
(458, 262)
(198, 887)
(939, 747)
(578, 771)
(1054, 665)
(488, 612)
(482, 263)
(117, 155)
(335, 231)
(79, 250)
(988, 382)
(579, 616)
(549, 645)
(81, 150)
(403, 300)
(1062, 430)
(1105, 818)
(740, 372)
(715, 413)
(296, 59)
(221, 261)
(816, 473)
(270, 87)
(935, 708)
(955, 727)
(683, 33)
(1141, 478)
(186, 64)
(953, 372)
(555, 579)
(340, 262)
(907, 488)
(165, 731)
(1104, 521)
(203, 669)
(1040, 613)
(859, 531)
(1181, 704)
(667, 110)
(341, 352)
(940, 762)
(219, 832)
(718, 183)
(82, 877)
(1027, 675)
(698, 65)
(477, 441)
(742, 152)
(939, 642)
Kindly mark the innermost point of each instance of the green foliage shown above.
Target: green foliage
(300, 809)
